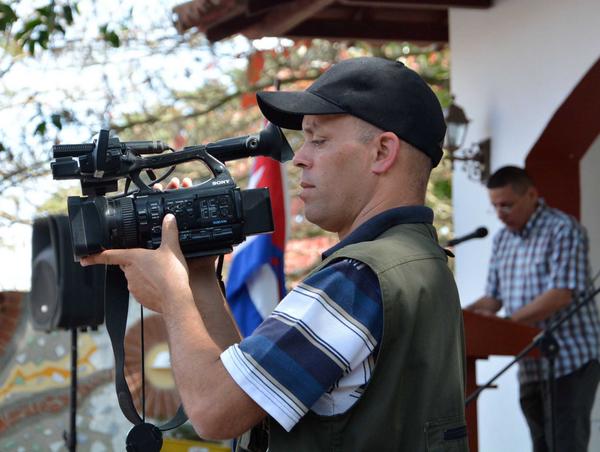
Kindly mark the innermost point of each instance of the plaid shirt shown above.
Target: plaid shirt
(551, 252)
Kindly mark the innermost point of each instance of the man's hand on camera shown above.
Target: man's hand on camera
(154, 276)
(174, 183)
(201, 266)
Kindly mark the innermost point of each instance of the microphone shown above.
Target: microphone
(476, 234)
(145, 147)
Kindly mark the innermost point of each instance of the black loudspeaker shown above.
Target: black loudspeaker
(64, 294)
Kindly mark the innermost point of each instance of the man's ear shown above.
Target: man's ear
(388, 147)
(532, 193)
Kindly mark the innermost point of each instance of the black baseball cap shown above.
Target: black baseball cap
(381, 92)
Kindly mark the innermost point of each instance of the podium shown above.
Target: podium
(485, 336)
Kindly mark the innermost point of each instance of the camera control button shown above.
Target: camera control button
(156, 230)
(201, 235)
(154, 211)
(222, 233)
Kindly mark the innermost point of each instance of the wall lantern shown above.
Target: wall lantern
(475, 158)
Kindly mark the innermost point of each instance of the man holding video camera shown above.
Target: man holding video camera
(367, 353)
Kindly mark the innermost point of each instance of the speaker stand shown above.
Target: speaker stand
(70, 437)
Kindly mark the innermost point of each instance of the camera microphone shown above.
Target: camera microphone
(476, 234)
(137, 147)
(145, 147)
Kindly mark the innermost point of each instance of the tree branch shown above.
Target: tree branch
(14, 219)
(151, 119)
(22, 173)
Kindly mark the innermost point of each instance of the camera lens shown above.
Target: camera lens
(100, 223)
(121, 223)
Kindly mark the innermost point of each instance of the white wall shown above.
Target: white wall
(590, 217)
(512, 66)
(590, 202)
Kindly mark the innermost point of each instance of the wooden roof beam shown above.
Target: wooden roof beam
(204, 14)
(279, 20)
(421, 4)
(377, 31)
(261, 6)
(231, 27)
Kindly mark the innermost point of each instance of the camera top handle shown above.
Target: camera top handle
(101, 164)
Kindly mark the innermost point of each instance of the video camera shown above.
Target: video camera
(211, 217)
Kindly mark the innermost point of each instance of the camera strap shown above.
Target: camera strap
(143, 437)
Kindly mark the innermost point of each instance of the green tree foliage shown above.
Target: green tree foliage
(33, 29)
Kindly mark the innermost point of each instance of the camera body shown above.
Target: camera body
(211, 217)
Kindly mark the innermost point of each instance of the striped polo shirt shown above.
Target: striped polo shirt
(317, 350)
(550, 252)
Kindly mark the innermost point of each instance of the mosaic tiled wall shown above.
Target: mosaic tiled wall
(35, 370)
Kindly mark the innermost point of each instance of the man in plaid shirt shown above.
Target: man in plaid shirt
(539, 266)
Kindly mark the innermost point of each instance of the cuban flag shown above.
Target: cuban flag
(256, 281)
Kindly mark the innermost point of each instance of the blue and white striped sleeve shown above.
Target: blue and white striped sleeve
(327, 326)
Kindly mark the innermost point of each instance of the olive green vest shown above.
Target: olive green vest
(415, 398)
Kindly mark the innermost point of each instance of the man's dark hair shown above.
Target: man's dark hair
(514, 176)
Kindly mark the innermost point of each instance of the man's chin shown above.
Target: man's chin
(512, 227)
(312, 215)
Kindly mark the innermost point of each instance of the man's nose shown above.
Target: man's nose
(502, 215)
(300, 158)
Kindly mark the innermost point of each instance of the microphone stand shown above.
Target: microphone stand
(70, 437)
(549, 347)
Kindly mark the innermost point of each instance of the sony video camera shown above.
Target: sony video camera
(211, 217)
